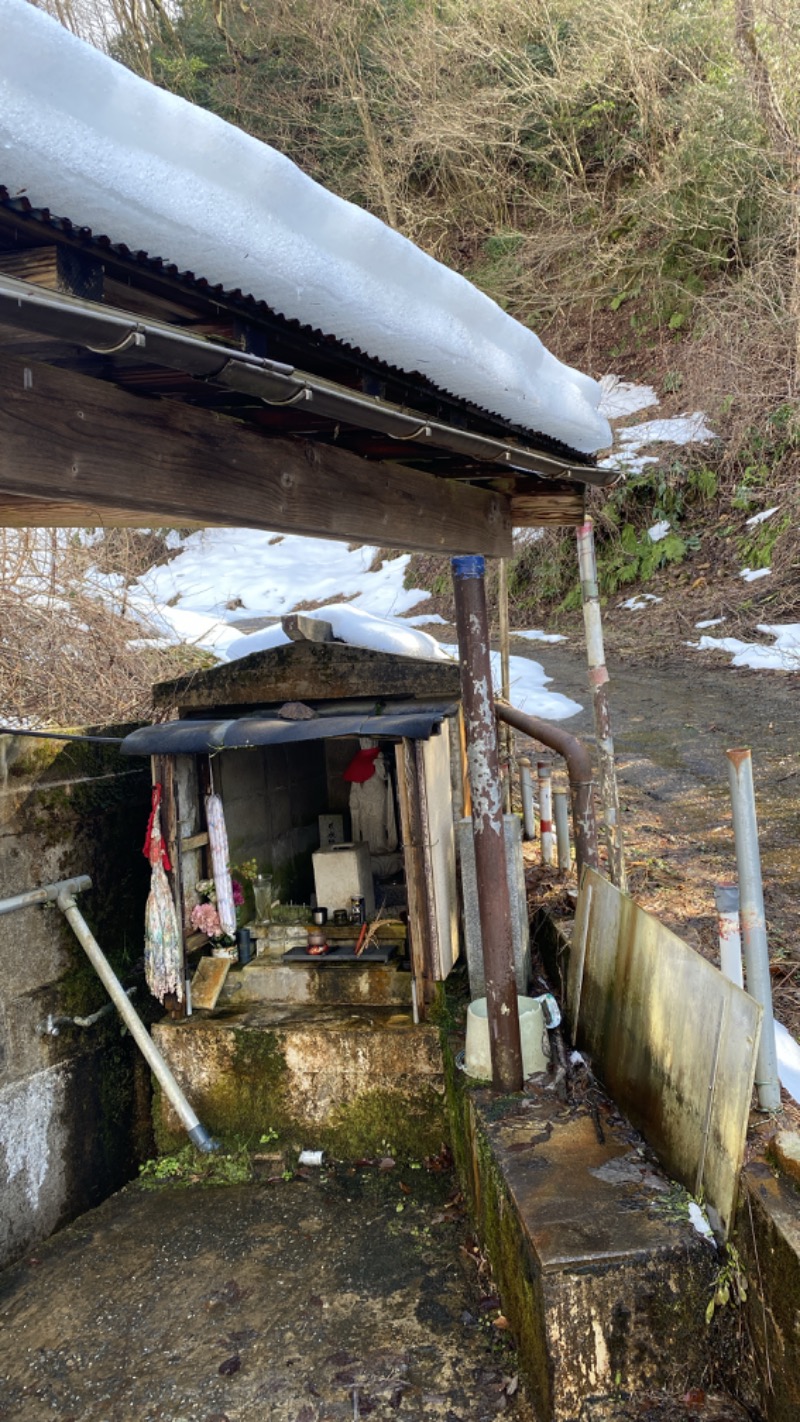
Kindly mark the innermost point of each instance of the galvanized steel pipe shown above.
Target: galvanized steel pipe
(561, 817)
(46, 895)
(494, 903)
(581, 782)
(526, 791)
(753, 922)
(198, 1134)
(545, 778)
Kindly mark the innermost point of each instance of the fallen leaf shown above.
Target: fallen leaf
(695, 1397)
(501, 1321)
(230, 1366)
(406, 1189)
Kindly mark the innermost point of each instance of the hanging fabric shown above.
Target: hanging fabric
(220, 866)
(163, 941)
(372, 809)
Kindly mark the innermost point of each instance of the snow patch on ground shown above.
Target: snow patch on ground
(621, 398)
(752, 575)
(659, 531)
(697, 1218)
(680, 429)
(783, 655)
(86, 138)
(639, 601)
(760, 517)
(788, 1060)
(534, 636)
(710, 622)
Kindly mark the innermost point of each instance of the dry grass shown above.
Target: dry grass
(71, 649)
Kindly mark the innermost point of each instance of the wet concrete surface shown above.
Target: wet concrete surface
(350, 1294)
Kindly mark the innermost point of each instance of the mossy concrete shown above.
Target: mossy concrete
(353, 1081)
(768, 1240)
(605, 1290)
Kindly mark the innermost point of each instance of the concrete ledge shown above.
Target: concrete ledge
(345, 984)
(768, 1240)
(604, 1283)
(352, 1080)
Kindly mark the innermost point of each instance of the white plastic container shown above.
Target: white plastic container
(536, 1015)
(343, 872)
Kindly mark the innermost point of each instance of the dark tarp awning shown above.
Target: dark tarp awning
(197, 737)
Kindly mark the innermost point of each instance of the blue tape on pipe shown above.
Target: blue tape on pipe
(471, 566)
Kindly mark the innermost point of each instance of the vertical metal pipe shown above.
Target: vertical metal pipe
(581, 784)
(545, 810)
(598, 682)
(753, 921)
(561, 817)
(726, 898)
(526, 789)
(494, 903)
(506, 734)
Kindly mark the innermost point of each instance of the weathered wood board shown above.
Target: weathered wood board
(68, 437)
(208, 982)
(672, 1039)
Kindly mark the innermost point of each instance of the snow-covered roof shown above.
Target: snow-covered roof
(84, 137)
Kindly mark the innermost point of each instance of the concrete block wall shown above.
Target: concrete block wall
(73, 1107)
(273, 796)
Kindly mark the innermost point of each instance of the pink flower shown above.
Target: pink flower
(206, 919)
(238, 894)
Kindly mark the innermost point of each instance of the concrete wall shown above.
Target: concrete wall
(73, 1107)
(273, 796)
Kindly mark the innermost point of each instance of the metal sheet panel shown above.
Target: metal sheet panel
(673, 1040)
(196, 737)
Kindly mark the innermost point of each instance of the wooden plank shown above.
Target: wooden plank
(310, 671)
(208, 982)
(547, 507)
(194, 841)
(412, 834)
(674, 1041)
(68, 437)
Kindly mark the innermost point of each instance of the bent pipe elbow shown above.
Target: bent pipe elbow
(579, 769)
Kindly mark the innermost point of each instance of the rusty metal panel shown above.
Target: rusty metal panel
(673, 1040)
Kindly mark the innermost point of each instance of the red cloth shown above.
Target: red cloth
(154, 848)
(362, 766)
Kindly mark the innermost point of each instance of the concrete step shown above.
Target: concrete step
(604, 1280)
(352, 1080)
(271, 980)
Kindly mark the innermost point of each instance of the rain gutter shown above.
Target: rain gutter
(106, 331)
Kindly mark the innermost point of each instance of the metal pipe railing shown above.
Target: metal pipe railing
(753, 922)
(579, 769)
(48, 894)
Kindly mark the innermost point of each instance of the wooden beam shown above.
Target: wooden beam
(66, 437)
(17, 512)
(57, 268)
(548, 507)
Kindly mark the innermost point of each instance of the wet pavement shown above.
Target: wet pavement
(353, 1293)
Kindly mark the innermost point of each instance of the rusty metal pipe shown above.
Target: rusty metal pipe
(581, 779)
(494, 904)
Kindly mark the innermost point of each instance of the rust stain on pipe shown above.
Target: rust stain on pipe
(581, 777)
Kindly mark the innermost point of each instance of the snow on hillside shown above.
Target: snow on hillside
(86, 138)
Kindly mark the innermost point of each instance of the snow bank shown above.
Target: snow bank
(83, 136)
(681, 429)
(245, 572)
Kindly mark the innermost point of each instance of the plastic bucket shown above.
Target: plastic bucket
(536, 1015)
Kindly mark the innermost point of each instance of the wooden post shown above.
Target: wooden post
(598, 682)
(494, 902)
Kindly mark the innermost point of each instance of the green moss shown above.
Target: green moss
(415, 1127)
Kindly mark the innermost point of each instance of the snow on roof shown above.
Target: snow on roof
(86, 138)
